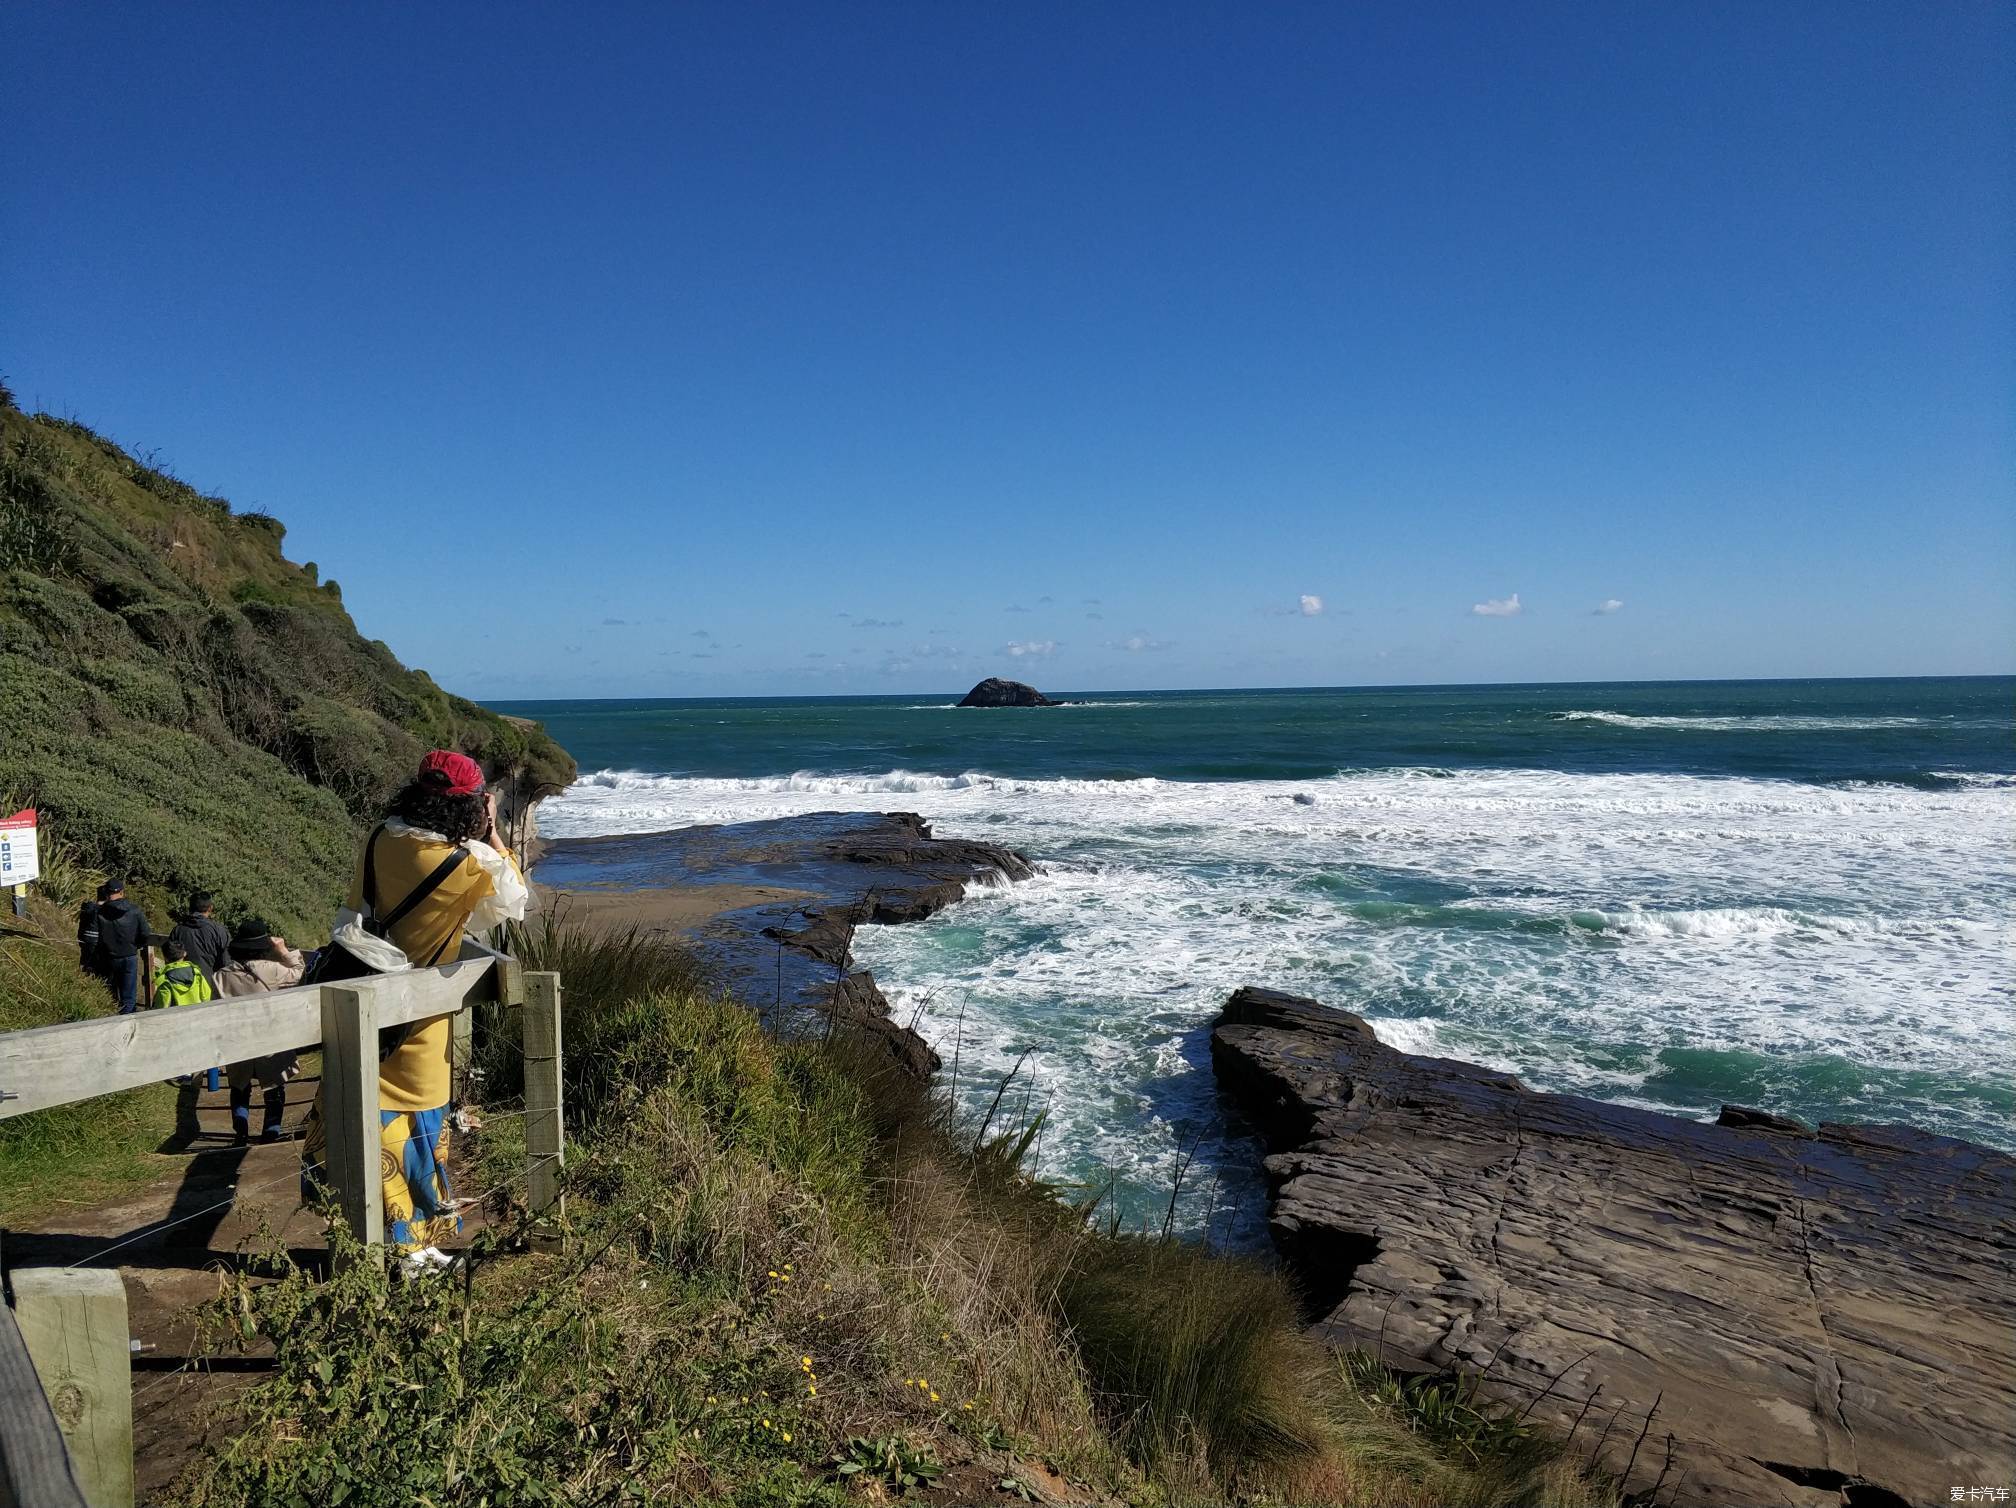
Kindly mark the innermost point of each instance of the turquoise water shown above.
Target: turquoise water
(1792, 894)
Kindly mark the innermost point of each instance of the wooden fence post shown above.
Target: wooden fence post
(461, 1049)
(545, 1131)
(350, 1108)
(73, 1323)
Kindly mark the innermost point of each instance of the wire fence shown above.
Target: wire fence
(201, 1364)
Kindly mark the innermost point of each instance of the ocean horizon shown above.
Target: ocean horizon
(1790, 894)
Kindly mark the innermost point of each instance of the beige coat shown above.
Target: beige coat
(255, 976)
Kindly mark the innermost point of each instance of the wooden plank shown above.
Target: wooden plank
(350, 1022)
(508, 989)
(35, 1469)
(73, 1324)
(55, 1065)
(545, 1131)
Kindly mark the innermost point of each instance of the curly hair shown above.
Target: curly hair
(456, 818)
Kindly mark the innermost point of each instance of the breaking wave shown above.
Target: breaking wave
(1754, 724)
(1584, 930)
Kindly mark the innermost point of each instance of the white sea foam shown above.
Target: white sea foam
(1566, 927)
(1979, 779)
(1755, 724)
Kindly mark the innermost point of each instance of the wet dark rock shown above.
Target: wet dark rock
(1761, 1120)
(995, 692)
(1805, 1317)
(793, 959)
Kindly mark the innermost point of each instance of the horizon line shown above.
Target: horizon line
(811, 696)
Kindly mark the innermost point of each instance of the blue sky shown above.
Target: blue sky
(714, 349)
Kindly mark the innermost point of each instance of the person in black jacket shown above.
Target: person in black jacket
(206, 938)
(122, 933)
(88, 956)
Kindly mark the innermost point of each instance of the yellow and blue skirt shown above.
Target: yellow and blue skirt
(413, 1161)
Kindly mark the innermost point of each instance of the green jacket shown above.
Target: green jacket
(181, 984)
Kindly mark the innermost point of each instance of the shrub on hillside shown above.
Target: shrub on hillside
(33, 536)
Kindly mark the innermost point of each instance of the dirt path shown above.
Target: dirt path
(172, 1241)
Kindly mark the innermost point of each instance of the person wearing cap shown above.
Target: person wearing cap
(444, 810)
(259, 962)
(122, 936)
(206, 941)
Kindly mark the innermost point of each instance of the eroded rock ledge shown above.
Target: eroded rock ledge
(838, 870)
(1807, 1318)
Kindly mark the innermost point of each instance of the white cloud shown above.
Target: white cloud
(1136, 643)
(878, 622)
(1608, 606)
(1312, 605)
(1499, 607)
(1037, 647)
(1014, 607)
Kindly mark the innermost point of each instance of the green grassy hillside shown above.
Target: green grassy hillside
(186, 705)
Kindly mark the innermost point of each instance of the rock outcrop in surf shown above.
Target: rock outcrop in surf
(995, 692)
(791, 958)
(1745, 1312)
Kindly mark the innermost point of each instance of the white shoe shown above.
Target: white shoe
(428, 1262)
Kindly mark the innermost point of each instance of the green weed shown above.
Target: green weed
(890, 1460)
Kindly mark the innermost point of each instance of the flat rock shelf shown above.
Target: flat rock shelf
(1746, 1312)
(815, 878)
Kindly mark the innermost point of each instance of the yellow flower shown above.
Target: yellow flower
(710, 1397)
(822, 1316)
(773, 1272)
(967, 1405)
(944, 1334)
(812, 1390)
(805, 1362)
(766, 1423)
(934, 1397)
(787, 1437)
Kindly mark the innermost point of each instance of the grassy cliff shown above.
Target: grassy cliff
(188, 706)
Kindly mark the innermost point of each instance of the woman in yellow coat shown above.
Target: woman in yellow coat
(444, 811)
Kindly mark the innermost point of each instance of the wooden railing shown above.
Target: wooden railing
(46, 1066)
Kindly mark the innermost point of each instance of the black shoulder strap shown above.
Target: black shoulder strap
(370, 895)
(421, 891)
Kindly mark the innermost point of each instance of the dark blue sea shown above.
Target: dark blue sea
(1790, 894)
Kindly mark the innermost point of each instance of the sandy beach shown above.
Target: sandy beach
(677, 909)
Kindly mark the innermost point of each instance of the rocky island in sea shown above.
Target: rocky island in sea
(995, 692)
